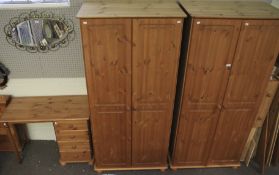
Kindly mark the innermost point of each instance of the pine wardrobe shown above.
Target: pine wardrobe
(232, 47)
(131, 53)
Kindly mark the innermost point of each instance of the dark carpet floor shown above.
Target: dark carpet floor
(41, 158)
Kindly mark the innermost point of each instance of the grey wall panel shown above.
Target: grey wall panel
(63, 63)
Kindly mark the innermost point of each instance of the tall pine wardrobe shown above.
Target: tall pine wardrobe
(229, 51)
(131, 53)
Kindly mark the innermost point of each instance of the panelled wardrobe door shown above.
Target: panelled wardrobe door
(107, 54)
(211, 50)
(156, 48)
(230, 137)
(212, 46)
(257, 50)
(194, 137)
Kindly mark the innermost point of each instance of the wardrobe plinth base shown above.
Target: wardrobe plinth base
(161, 168)
(175, 167)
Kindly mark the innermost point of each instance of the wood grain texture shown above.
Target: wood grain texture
(194, 137)
(73, 141)
(112, 139)
(212, 46)
(46, 109)
(150, 138)
(231, 135)
(230, 9)
(237, 94)
(78, 135)
(270, 92)
(156, 48)
(107, 56)
(137, 9)
(69, 157)
(255, 56)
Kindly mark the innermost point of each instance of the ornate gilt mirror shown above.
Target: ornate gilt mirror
(39, 32)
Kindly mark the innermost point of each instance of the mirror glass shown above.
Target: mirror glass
(39, 32)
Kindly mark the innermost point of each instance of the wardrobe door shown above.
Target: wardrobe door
(212, 45)
(211, 50)
(255, 55)
(107, 54)
(156, 50)
(196, 130)
(258, 47)
(231, 135)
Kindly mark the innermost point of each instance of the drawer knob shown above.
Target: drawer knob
(246, 24)
(84, 22)
(198, 22)
(228, 66)
(55, 123)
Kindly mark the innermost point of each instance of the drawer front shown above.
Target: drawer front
(72, 135)
(3, 131)
(71, 125)
(75, 156)
(73, 146)
(2, 125)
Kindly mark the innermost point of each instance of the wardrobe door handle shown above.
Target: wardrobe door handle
(229, 66)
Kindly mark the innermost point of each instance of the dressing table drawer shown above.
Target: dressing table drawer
(74, 146)
(82, 156)
(71, 125)
(72, 135)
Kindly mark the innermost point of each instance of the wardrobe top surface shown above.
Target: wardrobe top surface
(130, 8)
(230, 9)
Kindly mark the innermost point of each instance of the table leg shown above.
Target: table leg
(12, 138)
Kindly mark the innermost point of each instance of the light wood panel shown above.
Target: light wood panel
(212, 46)
(107, 54)
(150, 138)
(270, 92)
(230, 9)
(195, 133)
(231, 135)
(128, 9)
(255, 55)
(112, 139)
(156, 48)
(50, 108)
